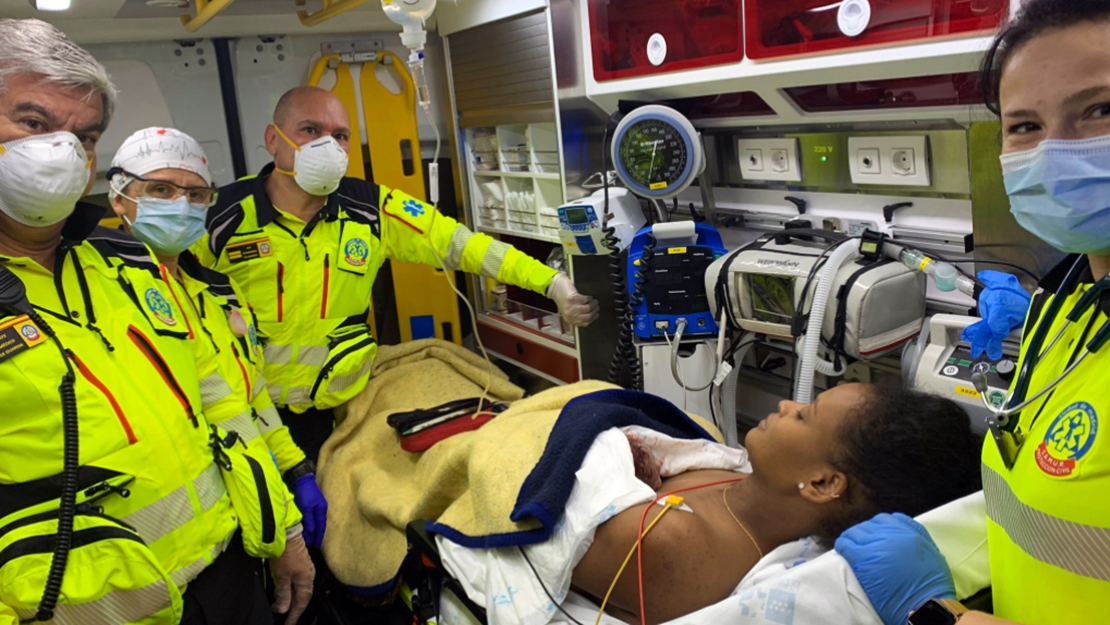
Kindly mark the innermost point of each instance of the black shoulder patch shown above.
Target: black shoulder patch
(117, 244)
(227, 215)
(360, 199)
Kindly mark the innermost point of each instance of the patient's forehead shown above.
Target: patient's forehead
(838, 403)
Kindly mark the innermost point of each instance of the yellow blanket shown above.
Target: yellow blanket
(375, 489)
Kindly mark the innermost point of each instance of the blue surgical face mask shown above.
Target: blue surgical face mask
(1060, 191)
(169, 227)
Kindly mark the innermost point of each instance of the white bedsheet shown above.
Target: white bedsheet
(778, 591)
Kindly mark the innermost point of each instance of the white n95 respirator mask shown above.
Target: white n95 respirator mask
(42, 177)
(318, 166)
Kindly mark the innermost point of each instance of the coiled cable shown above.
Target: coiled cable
(70, 468)
(624, 345)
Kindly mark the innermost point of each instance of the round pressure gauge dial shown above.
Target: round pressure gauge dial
(657, 152)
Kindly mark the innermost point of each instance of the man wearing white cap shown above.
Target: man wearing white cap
(161, 187)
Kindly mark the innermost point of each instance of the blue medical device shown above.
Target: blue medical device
(666, 282)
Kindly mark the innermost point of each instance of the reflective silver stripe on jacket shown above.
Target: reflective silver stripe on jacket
(210, 487)
(299, 396)
(312, 355)
(258, 386)
(278, 354)
(159, 519)
(340, 383)
(493, 259)
(189, 572)
(1080, 549)
(275, 393)
(214, 389)
(115, 608)
(459, 238)
(268, 420)
(243, 424)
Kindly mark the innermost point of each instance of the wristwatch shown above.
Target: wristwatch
(306, 467)
(938, 612)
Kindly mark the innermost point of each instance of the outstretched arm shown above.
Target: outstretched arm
(414, 232)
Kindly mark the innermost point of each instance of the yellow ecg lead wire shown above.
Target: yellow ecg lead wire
(672, 501)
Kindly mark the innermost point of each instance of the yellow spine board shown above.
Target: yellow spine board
(344, 89)
(420, 291)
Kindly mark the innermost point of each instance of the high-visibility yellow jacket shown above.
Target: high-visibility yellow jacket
(310, 283)
(229, 358)
(144, 441)
(1049, 517)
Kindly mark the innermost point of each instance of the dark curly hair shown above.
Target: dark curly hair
(903, 451)
(1036, 18)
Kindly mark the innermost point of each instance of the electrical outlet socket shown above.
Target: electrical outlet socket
(753, 160)
(770, 159)
(903, 161)
(869, 161)
(780, 161)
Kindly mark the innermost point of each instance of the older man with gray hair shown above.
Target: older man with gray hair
(112, 509)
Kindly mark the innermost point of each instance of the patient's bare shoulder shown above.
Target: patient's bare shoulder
(690, 560)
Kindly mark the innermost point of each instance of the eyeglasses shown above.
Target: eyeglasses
(162, 190)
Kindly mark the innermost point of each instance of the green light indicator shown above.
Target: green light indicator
(824, 159)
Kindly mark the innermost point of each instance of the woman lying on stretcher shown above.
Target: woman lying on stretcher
(817, 469)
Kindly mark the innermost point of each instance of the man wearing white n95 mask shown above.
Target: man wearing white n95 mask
(306, 243)
(112, 509)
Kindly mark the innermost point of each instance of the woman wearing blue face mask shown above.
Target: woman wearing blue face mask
(161, 187)
(1046, 469)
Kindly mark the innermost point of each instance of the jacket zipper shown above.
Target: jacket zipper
(243, 371)
(335, 360)
(160, 365)
(281, 292)
(92, 379)
(327, 278)
(268, 526)
(85, 509)
(45, 543)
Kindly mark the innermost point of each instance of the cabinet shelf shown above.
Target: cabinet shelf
(539, 236)
(517, 174)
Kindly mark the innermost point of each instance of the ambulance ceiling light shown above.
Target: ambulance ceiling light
(50, 5)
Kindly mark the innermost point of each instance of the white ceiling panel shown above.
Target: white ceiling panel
(114, 21)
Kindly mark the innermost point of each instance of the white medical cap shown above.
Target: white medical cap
(153, 149)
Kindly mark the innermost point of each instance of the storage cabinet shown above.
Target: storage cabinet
(641, 37)
(778, 28)
(511, 167)
(515, 181)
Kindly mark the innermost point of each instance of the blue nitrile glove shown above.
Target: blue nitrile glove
(314, 508)
(1003, 305)
(898, 565)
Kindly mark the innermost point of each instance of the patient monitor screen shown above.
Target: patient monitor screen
(772, 298)
(577, 216)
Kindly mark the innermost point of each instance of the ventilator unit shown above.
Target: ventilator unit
(768, 286)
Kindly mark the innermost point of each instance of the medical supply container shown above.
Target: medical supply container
(642, 37)
(779, 28)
